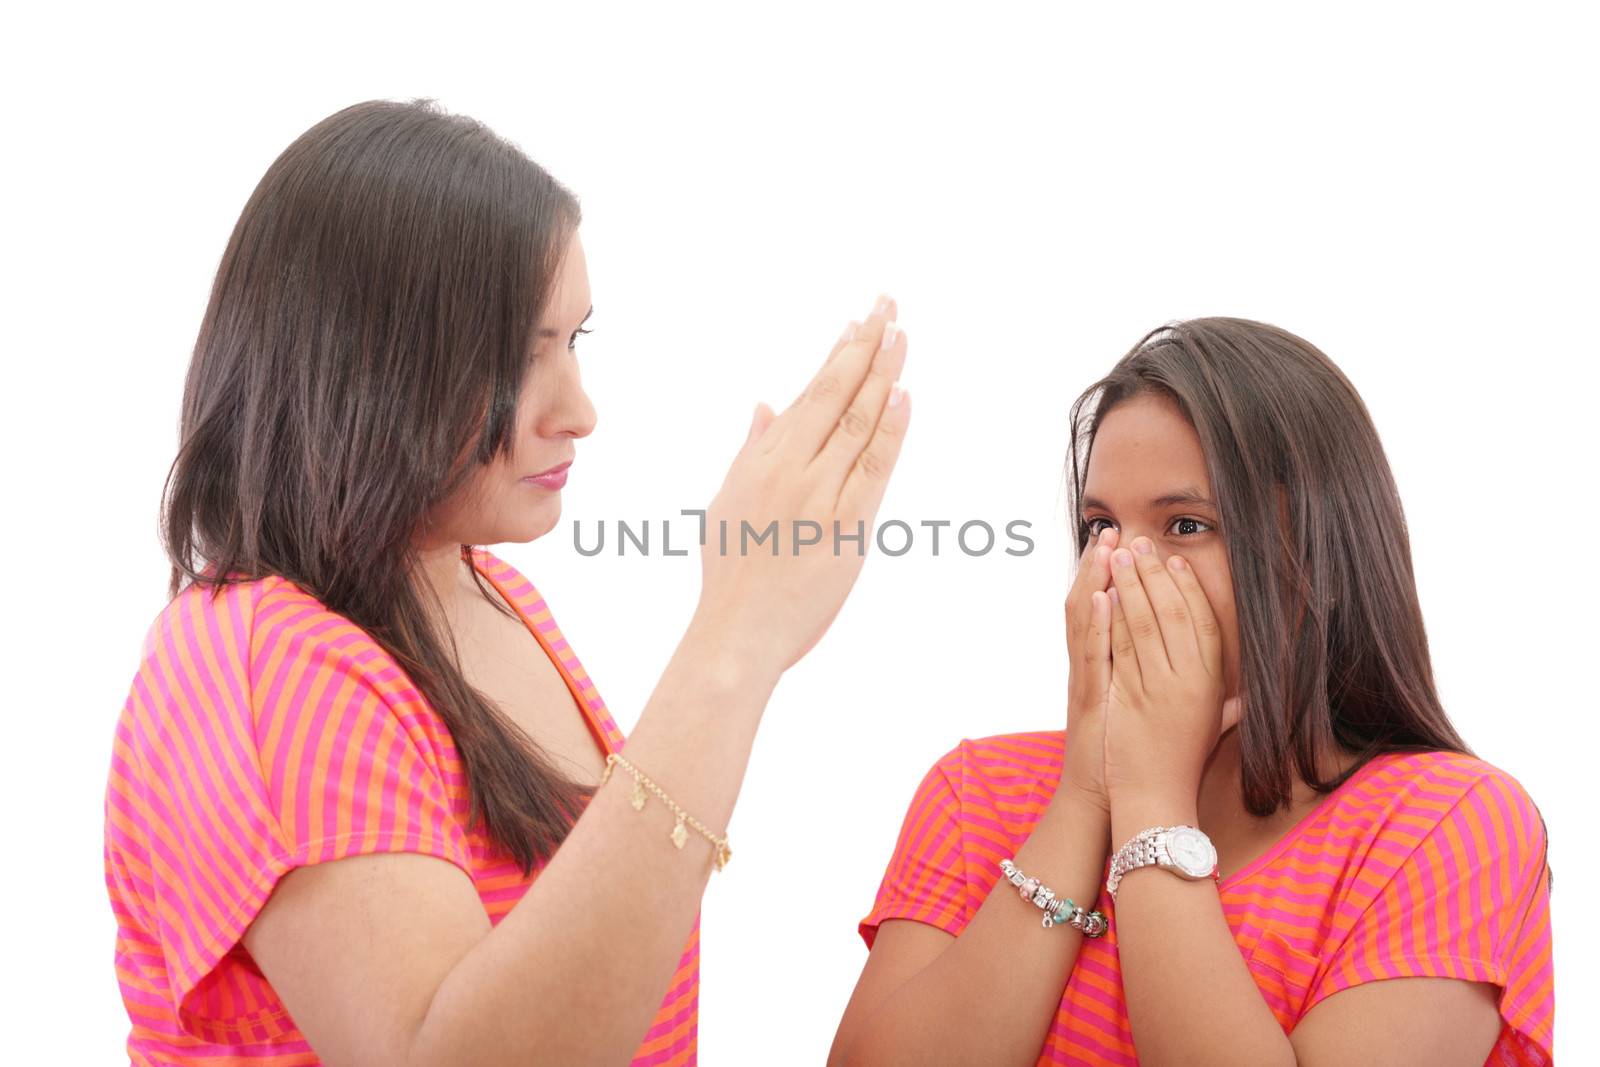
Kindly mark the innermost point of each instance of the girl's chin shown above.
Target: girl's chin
(528, 524)
(544, 520)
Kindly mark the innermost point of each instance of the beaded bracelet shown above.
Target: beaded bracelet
(1063, 910)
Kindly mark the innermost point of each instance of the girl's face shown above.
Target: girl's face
(1147, 478)
(506, 502)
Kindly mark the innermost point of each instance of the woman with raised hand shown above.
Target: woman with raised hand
(365, 806)
(1251, 711)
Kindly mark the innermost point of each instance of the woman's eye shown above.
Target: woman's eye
(1190, 522)
(574, 342)
(1186, 527)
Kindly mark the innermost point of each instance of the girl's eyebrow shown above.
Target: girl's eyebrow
(552, 333)
(1190, 495)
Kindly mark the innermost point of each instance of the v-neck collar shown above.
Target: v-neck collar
(520, 605)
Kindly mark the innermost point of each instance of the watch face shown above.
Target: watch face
(1192, 851)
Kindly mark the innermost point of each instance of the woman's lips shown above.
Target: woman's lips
(554, 478)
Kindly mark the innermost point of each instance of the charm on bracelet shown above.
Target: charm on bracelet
(1057, 911)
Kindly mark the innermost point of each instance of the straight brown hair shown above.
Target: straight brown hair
(366, 339)
(1332, 648)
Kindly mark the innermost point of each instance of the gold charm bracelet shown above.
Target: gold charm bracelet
(679, 835)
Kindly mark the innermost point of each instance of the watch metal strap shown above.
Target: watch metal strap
(1138, 851)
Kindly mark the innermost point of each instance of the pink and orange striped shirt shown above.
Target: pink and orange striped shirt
(264, 732)
(1426, 864)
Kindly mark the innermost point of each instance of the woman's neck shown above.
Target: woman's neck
(446, 573)
(1221, 796)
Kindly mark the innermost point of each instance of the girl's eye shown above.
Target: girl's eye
(574, 342)
(1092, 531)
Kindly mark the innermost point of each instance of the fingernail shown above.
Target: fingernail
(891, 331)
(1123, 557)
(882, 306)
(896, 394)
(1142, 546)
(1116, 598)
(849, 332)
(1175, 562)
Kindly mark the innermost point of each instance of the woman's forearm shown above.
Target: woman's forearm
(993, 994)
(577, 969)
(1199, 1005)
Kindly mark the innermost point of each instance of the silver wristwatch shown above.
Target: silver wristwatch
(1183, 850)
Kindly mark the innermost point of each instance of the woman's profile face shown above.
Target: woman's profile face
(517, 498)
(1147, 478)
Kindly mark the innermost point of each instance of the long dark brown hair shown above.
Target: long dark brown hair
(1332, 649)
(366, 339)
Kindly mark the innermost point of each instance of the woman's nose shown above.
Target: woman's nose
(581, 416)
(569, 412)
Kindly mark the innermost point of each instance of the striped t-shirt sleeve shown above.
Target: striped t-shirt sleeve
(263, 733)
(1470, 900)
(926, 876)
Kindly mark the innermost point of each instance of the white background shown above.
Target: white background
(1410, 188)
